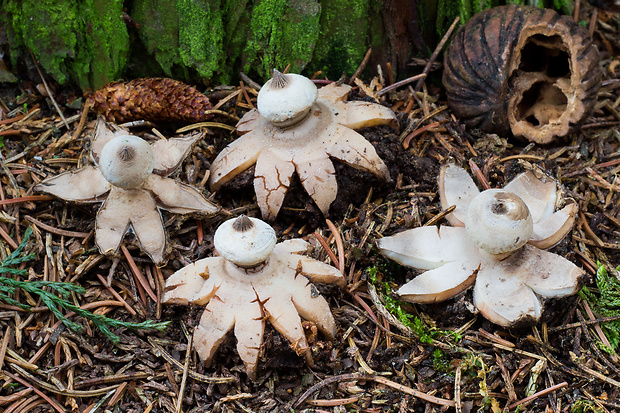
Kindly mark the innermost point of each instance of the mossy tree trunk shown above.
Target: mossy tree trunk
(91, 42)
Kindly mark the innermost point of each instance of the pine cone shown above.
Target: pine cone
(154, 99)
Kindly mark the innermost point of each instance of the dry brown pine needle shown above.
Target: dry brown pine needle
(154, 99)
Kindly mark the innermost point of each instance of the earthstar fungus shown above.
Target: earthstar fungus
(129, 176)
(254, 280)
(493, 244)
(297, 129)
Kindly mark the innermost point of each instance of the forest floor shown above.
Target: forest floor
(388, 356)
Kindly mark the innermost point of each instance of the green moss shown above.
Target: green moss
(426, 333)
(159, 31)
(606, 303)
(201, 34)
(282, 32)
(84, 42)
(344, 37)
(47, 28)
(102, 43)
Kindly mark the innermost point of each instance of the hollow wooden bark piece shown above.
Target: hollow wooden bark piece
(522, 70)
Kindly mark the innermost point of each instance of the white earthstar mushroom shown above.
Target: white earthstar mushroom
(491, 247)
(537, 191)
(277, 287)
(296, 130)
(130, 176)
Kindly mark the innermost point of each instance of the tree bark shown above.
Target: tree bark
(91, 42)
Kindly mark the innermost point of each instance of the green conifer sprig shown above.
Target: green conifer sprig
(606, 303)
(47, 291)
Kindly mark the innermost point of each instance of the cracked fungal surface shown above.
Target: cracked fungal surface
(301, 141)
(494, 244)
(241, 299)
(129, 176)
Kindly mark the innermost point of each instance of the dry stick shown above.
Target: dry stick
(118, 394)
(440, 46)
(478, 173)
(586, 322)
(366, 307)
(138, 274)
(160, 283)
(23, 405)
(49, 92)
(593, 20)
(594, 345)
(400, 83)
(529, 399)
(39, 392)
(576, 12)
(457, 390)
(418, 132)
(116, 295)
(29, 198)
(5, 343)
(20, 394)
(328, 250)
(245, 94)
(333, 402)
(439, 216)
(56, 390)
(159, 351)
(225, 100)
(512, 395)
(188, 356)
(11, 120)
(112, 379)
(339, 245)
(8, 173)
(8, 238)
(56, 231)
(599, 331)
(362, 66)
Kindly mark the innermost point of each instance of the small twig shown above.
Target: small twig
(29, 198)
(116, 295)
(333, 402)
(587, 322)
(249, 81)
(478, 173)
(361, 67)
(528, 400)
(245, 94)
(328, 250)
(440, 46)
(506, 376)
(598, 330)
(594, 373)
(39, 392)
(49, 92)
(398, 84)
(188, 356)
(138, 274)
(5, 235)
(339, 244)
(418, 132)
(56, 230)
(457, 390)
(439, 216)
(159, 351)
(4, 345)
(118, 394)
